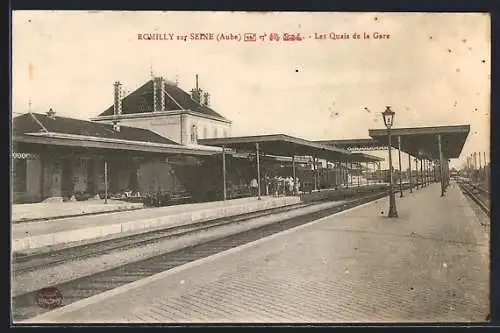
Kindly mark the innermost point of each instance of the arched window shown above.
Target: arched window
(225, 132)
(205, 132)
(215, 132)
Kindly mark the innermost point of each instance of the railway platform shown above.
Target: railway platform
(49, 234)
(33, 236)
(22, 213)
(431, 264)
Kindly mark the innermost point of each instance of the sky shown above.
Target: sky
(433, 70)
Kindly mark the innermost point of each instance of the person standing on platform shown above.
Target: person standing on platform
(254, 186)
(290, 186)
(266, 182)
(279, 184)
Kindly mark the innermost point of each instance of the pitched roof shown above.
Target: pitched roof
(141, 101)
(30, 123)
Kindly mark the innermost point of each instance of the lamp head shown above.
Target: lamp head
(388, 115)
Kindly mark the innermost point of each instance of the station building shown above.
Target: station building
(145, 142)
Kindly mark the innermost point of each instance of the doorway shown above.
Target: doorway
(90, 176)
(66, 179)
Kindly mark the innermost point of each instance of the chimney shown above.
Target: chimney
(196, 92)
(158, 94)
(51, 114)
(116, 126)
(206, 99)
(117, 106)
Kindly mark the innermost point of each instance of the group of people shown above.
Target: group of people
(277, 186)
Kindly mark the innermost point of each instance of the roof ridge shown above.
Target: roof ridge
(38, 122)
(173, 99)
(86, 121)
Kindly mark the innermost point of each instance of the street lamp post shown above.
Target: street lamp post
(388, 115)
(422, 174)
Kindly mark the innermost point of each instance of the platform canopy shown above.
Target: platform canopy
(354, 144)
(281, 145)
(423, 141)
(362, 157)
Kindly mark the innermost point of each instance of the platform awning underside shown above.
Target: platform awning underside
(284, 145)
(417, 141)
(365, 158)
(423, 141)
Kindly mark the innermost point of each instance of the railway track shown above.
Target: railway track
(28, 263)
(477, 193)
(24, 306)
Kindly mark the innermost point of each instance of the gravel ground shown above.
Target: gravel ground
(35, 280)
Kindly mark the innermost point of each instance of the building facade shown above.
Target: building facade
(57, 158)
(162, 107)
(145, 142)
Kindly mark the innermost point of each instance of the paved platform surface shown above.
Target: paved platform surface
(431, 264)
(32, 235)
(340, 192)
(48, 210)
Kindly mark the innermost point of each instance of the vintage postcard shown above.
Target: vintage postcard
(250, 167)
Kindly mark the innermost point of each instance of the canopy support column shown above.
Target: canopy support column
(224, 172)
(258, 168)
(447, 165)
(351, 172)
(294, 176)
(400, 168)
(426, 172)
(337, 175)
(409, 172)
(422, 171)
(434, 167)
(441, 167)
(367, 172)
(318, 176)
(429, 170)
(315, 174)
(379, 173)
(105, 181)
(360, 173)
(429, 180)
(341, 172)
(416, 174)
(346, 174)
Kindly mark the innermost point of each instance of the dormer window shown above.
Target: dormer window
(51, 114)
